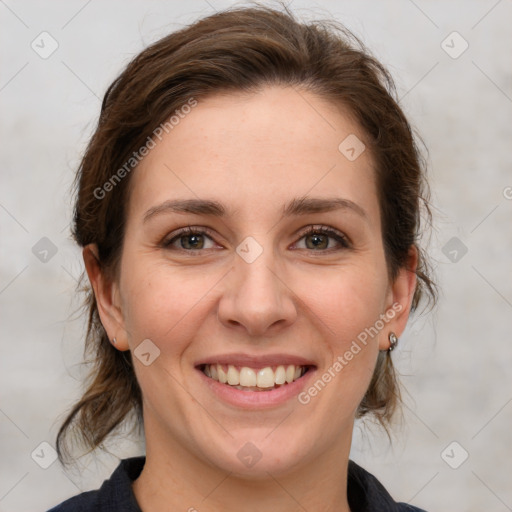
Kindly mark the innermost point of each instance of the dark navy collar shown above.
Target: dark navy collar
(364, 492)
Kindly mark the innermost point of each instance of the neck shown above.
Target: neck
(175, 479)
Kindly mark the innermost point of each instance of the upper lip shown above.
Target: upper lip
(253, 361)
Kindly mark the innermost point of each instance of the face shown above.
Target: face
(253, 251)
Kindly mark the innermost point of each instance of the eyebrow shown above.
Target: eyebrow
(296, 207)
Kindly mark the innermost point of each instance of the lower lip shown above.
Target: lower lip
(257, 399)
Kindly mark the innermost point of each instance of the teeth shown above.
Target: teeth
(264, 378)
(233, 376)
(280, 375)
(247, 377)
(222, 377)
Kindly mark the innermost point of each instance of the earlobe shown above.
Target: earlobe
(106, 294)
(402, 294)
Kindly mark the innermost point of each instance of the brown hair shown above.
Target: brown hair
(240, 49)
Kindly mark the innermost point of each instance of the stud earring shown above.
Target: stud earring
(114, 341)
(393, 340)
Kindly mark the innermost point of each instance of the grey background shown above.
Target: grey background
(456, 362)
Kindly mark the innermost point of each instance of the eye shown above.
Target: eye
(189, 239)
(317, 238)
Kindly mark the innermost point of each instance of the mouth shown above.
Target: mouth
(255, 379)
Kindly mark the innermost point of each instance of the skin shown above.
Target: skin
(254, 153)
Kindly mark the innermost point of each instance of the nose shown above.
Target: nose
(257, 298)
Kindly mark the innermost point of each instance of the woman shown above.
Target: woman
(248, 209)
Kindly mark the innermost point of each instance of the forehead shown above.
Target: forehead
(256, 151)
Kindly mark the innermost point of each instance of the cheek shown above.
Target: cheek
(160, 301)
(347, 300)
(347, 308)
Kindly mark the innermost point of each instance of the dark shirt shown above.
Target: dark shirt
(365, 492)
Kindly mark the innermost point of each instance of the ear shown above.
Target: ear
(107, 296)
(400, 299)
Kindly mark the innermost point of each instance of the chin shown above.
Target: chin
(256, 453)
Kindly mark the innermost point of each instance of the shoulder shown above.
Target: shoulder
(81, 503)
(115, 494)
(365, 493)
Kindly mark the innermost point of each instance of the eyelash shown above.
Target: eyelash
(323, 230)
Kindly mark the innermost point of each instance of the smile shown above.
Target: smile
(254, 379)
